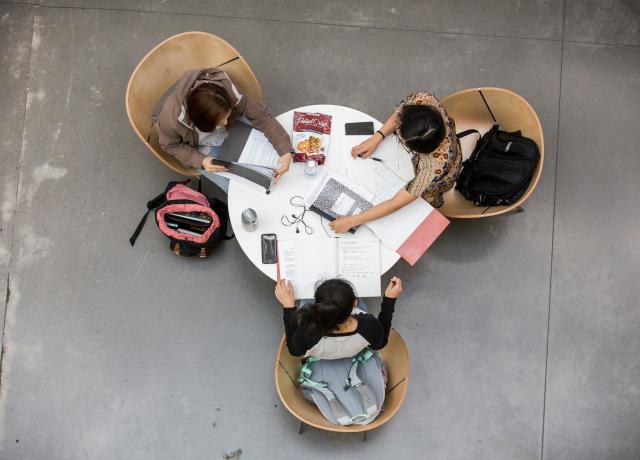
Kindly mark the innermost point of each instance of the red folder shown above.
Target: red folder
(422, 237)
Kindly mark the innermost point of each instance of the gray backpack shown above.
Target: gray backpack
(348, 391)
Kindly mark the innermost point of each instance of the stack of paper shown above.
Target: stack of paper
(248, 156)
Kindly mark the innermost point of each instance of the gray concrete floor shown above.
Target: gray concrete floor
(523, 329)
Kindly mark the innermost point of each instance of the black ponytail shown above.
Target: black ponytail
(334, 301)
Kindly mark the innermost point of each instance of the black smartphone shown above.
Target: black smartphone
(359, 129)
(269, 248)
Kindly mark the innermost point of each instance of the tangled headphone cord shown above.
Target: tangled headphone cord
(296, 220)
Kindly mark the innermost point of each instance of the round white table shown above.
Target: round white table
(271, 207)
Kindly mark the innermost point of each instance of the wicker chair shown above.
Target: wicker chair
(481, 108)
(396, 359)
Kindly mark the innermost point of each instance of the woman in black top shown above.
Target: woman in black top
(332, 326)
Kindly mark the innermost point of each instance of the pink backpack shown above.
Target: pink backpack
(193, 223)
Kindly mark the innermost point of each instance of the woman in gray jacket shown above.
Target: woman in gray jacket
(193, 122)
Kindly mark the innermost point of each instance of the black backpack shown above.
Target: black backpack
(202, 223)
(500, 168)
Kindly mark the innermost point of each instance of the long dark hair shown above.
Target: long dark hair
(206, 105)
(421, 128)
(334, 300)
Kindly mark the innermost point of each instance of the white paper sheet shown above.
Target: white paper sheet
(394, 229)
(317, 185)
(305, 261)
(259, 151)
(359, 262)
(375, 177)
(343, 204)
(260, 169)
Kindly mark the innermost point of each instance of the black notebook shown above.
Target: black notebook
(334, 195)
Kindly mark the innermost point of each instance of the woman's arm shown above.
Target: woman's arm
(296, 342)
(389, 126)
(377, 332)
(400, 199)
(262, 118)
(366, 148)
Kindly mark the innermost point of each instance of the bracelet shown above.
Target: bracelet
(382, 134)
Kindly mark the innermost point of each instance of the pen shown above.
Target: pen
(374, 159)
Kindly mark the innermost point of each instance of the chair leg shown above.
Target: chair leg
(364, 436)
(300, 427)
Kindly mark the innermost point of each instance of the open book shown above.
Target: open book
(306, 261)
(248, 156)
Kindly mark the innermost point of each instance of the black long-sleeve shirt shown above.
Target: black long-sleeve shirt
(371, 331)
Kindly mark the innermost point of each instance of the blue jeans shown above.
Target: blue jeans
(361, 305)
(214, 151)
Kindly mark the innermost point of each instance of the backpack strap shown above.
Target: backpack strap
(305, 381)
(220, 208)
(337, 409)
(353, 381)
(151, 205)
(467, 132)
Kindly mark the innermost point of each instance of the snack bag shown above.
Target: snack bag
(311, 135)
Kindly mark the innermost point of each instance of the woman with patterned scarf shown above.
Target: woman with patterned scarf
(428, 134)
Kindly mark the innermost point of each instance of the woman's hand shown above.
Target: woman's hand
(284, 162)
(343, 224)
(366, 148)
(394, 289)
(285, 294)
(207, 165)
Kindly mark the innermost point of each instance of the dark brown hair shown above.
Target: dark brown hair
(207, 105)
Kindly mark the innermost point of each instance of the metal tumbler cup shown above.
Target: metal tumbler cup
(249, 220)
